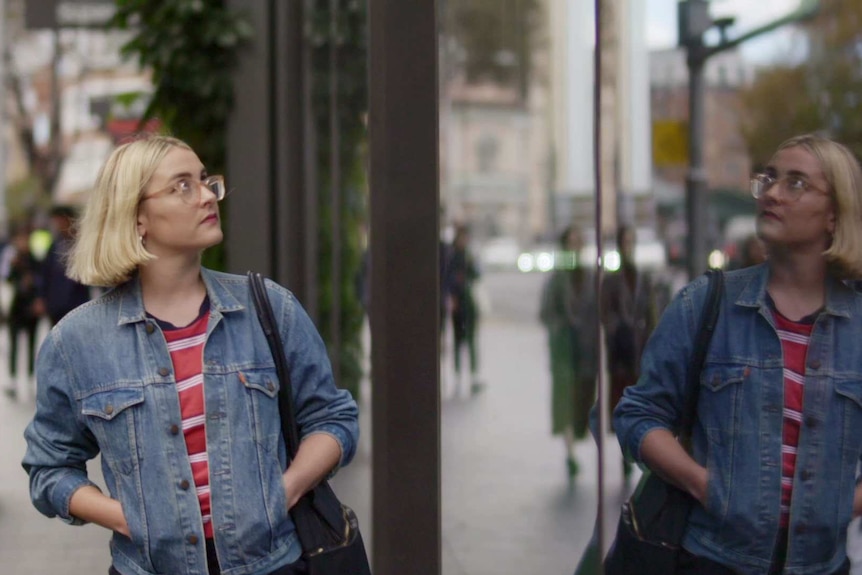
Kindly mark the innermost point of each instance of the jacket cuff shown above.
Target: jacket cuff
(62, 493)
(637, 434)
(341, 438)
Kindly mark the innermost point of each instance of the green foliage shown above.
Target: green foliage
(191, 46)
(352, 87)
(820, 94)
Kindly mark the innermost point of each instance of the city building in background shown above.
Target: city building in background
(66, 77)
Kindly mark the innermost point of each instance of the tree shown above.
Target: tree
(769, 119)
(820, 94)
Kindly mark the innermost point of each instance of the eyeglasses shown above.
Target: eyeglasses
(189, 190)
(794, 186)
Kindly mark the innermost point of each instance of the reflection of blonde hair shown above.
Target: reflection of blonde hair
(842, 171)
(107, 250)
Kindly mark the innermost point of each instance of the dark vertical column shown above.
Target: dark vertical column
(404, 287)
(249, 151)
(291, 78)
(271, 219)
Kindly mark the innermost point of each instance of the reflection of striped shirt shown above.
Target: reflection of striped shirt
(794, 338)
(186, 345)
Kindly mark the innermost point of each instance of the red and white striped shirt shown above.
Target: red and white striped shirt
(186, 345)
(794, 338)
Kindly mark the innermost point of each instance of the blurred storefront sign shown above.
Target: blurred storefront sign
(669, 143)
(68, 13)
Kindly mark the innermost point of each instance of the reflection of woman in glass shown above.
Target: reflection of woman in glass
(777, 435)
(628, 314)
(568, 310)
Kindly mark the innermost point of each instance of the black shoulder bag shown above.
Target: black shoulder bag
(328, 530)
(653, 520)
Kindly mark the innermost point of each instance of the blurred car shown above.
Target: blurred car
(500, 253)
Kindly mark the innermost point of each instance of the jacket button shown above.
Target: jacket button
(814, 364)
(805, 475)
(811, 421)
(163, 371)
(150, 328)
(175, 429)
(109, 409)
(192, 539)
(270, 386)
(184, 484)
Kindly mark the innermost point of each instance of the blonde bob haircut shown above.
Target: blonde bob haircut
(107, 250)
(844, 175)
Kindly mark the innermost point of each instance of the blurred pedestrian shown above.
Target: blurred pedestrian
(569, 312)
(23, 319)
(58, 293)
(169, 376)
(462, 273)
(629, 314)
(777, 433)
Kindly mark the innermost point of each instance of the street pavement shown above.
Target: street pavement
(507, 505)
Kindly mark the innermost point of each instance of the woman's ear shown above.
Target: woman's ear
(141, 225)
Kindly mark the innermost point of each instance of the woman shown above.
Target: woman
(778, 429)
(168, 375)
(568, 310)
(629, 314)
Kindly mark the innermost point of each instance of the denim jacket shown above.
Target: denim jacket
(737, 433)
(106, 384)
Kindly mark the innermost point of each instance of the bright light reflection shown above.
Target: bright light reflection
(612, 261)
(545, 262)
(717, 259)
(526, 262)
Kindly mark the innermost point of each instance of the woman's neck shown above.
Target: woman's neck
(172, 291)
(797, 284)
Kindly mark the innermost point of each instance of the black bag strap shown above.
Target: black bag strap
(285, 395)
(708, 319)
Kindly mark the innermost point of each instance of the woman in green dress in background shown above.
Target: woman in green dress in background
(569, 312)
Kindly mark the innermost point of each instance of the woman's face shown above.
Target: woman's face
(171, 225)
(800, 223)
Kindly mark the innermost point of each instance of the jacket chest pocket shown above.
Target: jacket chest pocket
(720, 402)
(849, 410)
(111, 416)
(261, 390)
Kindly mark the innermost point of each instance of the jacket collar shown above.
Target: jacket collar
(131, 299)
(840, 298)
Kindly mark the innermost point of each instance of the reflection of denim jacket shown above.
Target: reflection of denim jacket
(105, 383)
(738, 429)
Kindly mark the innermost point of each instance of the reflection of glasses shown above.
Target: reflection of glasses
(189, 190)
(794, 186)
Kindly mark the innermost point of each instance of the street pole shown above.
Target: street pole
(696, 184)
(694, 21)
